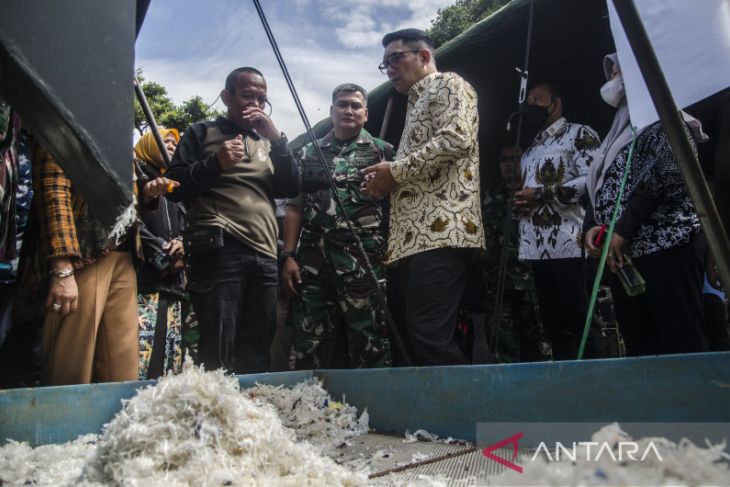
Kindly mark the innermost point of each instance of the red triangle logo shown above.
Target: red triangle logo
(514, 440)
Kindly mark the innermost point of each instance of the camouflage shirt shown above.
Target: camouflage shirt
(345, 159)
(519, 273)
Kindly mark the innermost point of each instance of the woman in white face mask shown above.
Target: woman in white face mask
(613, 91)
(657, 227)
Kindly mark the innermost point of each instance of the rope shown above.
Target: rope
(604, 252)
(318, 150)
(503, 258)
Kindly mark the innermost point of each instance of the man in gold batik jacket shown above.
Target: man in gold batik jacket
(435, 215)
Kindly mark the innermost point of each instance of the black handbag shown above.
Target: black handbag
(202, 239)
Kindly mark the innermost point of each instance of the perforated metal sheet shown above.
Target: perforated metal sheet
(383, 453)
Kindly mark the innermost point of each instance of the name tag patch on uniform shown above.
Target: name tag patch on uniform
(365, 156)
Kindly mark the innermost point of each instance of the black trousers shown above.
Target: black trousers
(20, 345)
(424, 293)
(561, 294)
(715, 322)
(234, 292)
(667, 318)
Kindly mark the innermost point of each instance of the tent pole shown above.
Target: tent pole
(668, 112)
(151, 121)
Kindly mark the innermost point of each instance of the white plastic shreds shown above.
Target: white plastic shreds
(419, 435)
(47, 464)
(419, 457)
(677, 464)
(315, 418)
(193, 429)
(197, 428)
(423, 435)
(422, 481)
(122, 224)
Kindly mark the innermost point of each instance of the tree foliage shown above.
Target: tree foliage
(455, 19)
(166, 113)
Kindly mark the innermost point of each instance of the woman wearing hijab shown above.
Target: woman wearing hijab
(160, 280)
(657, 227)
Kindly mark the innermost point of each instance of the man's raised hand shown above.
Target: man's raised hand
(231, 152)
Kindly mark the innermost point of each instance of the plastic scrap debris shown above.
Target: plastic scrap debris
(196, 428)
(46, 464)
(308, 410)
(419, 457)
(420, 480)
(419, 435)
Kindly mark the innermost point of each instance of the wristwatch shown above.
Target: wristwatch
(538, 195)
(63, 273)
(287, 253)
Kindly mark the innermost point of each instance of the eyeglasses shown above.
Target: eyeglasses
(393, 59)
(506, 158)
(261, 101)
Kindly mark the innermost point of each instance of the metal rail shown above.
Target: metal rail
(673, 125)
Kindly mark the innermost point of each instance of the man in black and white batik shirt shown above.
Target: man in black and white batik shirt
(554, 168)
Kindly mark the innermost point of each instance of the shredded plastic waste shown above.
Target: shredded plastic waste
(196, 428)
(125, 220)
(309, 411)
(421, 481)
(46, 464)
(419, 457)
(419, 435)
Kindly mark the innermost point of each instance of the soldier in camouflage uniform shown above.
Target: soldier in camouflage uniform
(334, 299)
(520, 336)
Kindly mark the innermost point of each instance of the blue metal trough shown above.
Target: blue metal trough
(448, 401)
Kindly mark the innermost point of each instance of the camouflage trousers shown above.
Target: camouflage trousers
(520, 335)
(337, 309)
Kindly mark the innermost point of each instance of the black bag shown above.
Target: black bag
(202, 239)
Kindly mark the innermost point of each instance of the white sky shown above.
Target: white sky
(190, 46)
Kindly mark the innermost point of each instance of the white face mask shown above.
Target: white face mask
(613, 91)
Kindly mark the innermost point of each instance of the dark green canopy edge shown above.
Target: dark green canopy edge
(569, 40)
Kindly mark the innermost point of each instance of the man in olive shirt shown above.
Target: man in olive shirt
(229, 171)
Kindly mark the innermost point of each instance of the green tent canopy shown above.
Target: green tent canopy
(569, 40)
(67, 68)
